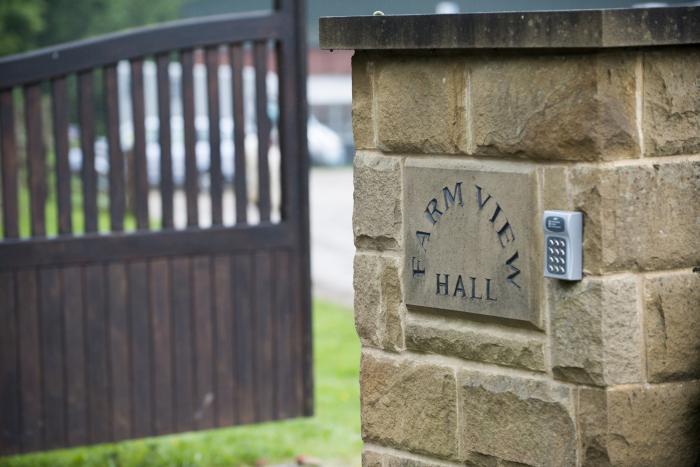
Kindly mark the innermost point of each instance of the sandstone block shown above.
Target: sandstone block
(376, 218)
(362, 98)
(570, 107)
(646, 425)
(672, 101)
(517, 419)
(409, 405)
(378, 308)
(476, 341)
(371, 459)
(596, 331)
(639, 217)
(420, 104)
(672, 318)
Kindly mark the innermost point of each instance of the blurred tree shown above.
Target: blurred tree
(20, 23)
(25, 24)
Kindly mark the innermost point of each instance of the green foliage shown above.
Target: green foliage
(26, 24)
(332, 435)
(20, 23)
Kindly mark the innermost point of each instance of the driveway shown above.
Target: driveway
(332, 247)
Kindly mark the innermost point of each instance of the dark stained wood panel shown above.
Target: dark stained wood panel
(119, 351)
(161, 329)
(202, 318)
(10, 439)
(224, 338)
(76, 353)
(164, 139)
(139, 175)
(243, 324)
(97, 348)
(60, 110)
(239, 182)
(263, 130)
(191, 173)
(52, 358)
(36, 162)
(31, 399)
(216, 179)
(8, 153)
(87, 147)
(183, 354)
(117, 200)
(141, 368)
(114, 335)
(263, 355)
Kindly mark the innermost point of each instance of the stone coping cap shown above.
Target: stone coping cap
(570, 29)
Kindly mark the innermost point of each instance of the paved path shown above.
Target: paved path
(332, 247)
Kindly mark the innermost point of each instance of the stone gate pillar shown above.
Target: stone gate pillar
(467, 127)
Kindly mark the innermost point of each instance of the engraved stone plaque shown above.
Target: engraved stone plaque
(471, 238)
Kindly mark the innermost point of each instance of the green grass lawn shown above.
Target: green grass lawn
(332, 435)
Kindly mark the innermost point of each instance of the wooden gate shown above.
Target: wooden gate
(116, 320)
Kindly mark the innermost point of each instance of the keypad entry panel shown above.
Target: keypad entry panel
(563, 244)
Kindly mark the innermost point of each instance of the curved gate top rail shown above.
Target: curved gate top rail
(87, 54)
(123, 313)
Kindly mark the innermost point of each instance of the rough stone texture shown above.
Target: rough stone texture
(476, 341)
(362, 121)
(639, 217)
(554, 192)
(481, 228)
(595, 331)
(517, 419)
(651, 425)
(672, 318)
(572, 107)
(371, 459)
(420, 104)
(378, 308)
(672, 101)
(409, 406)
(376, 218)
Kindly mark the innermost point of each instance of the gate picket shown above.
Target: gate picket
(111, 335)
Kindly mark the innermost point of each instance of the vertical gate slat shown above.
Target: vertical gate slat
(263, 130)
(224, 329)
(36, 160)
(216, 190)
(119, 351)
(9, 378)
(286, 402)
(76, 380)
(182, 344)
(166, 165)
(160, 289)
(29, 360)
(191, 183)
(59, 108)
(204, 342)
(87, 147)
(239, 180)
(242, 270)
(52, 360)
(140, 166)
(8, 152)
(97, 347)
(141, 371)
(116, 158)
(263, 341)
